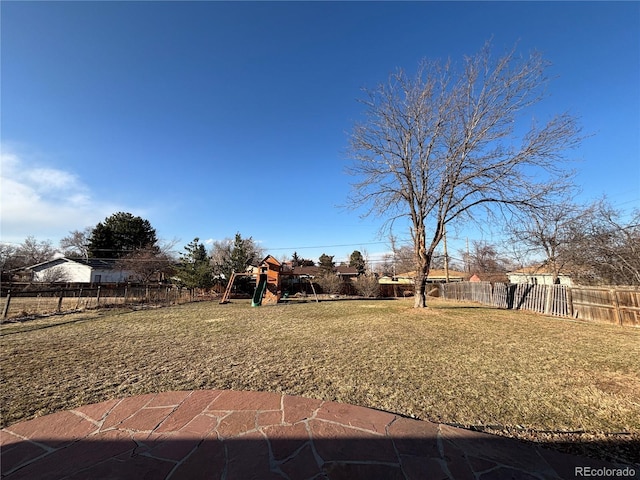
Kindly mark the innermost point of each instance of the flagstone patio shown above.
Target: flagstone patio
(222, 434)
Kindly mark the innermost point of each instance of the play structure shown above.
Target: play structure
(268, 276)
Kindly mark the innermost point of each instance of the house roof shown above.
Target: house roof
(96, 263)
(271, 260)
(534, 270)
(342, 270)
(346, 270)
(434, 273)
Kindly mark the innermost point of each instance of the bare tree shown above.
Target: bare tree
(550, 232)
(147, 263)
(367, 285)
(437, 146)
(76, 244)
(54, 275)
(8, 261)
(329, 282)
(32, 251)
(403, 256)
(235, 255)
(604, 248)
(486, 259)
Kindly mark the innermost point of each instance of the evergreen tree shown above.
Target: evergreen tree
(194, 269)
(243, 253)
(120, 235)
(235, 255)
(357, 260)
(326, 263)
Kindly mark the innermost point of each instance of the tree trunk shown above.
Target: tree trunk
(420, 298)
(423, 262)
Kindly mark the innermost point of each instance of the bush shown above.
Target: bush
(329, 282)
(367, 285)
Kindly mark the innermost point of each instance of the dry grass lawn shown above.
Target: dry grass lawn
(514, 373)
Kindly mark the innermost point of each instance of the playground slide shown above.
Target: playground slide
(260, 288)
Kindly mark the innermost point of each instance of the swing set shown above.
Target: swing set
(268, 283)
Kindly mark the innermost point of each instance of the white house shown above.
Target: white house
(537, 275)
(76, 270)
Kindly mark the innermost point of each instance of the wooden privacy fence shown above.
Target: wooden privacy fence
(614, 305)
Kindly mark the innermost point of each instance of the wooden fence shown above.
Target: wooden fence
(614, 305)
(24, 302)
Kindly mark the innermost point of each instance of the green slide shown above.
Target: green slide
(260, 288)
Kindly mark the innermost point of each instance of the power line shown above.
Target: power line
(328, 246)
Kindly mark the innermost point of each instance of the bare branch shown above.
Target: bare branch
(437, 146)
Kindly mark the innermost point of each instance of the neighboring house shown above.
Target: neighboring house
(68, 270)
(537, 275)
(434, 276)
(342, 271)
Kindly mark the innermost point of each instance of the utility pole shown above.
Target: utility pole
(446, 255)
(467, 261)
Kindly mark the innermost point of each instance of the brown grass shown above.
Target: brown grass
(508, 371)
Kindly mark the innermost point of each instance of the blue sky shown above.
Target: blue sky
(209, 118)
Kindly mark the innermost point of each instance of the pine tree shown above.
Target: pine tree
(326, 263)
(194, 269)
(357, 260)
(120, 235)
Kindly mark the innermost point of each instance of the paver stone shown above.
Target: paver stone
(335, 442)
(56, 429)
(237, 423)
(124, 409)
(298, 408)
(206, 462)
(18, 454)
(301, 465)
(502, 451)
(414, 437)
(193, 405)
(420, 468)
(97, 411)
(354, 416)
(146, 419)
(353, 471)
(235, 400)
(286, 439)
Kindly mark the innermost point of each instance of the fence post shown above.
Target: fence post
(59, 308)
(98, 297)
(616, 305)
(548, 299)
(5, 311)
(79, 299)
